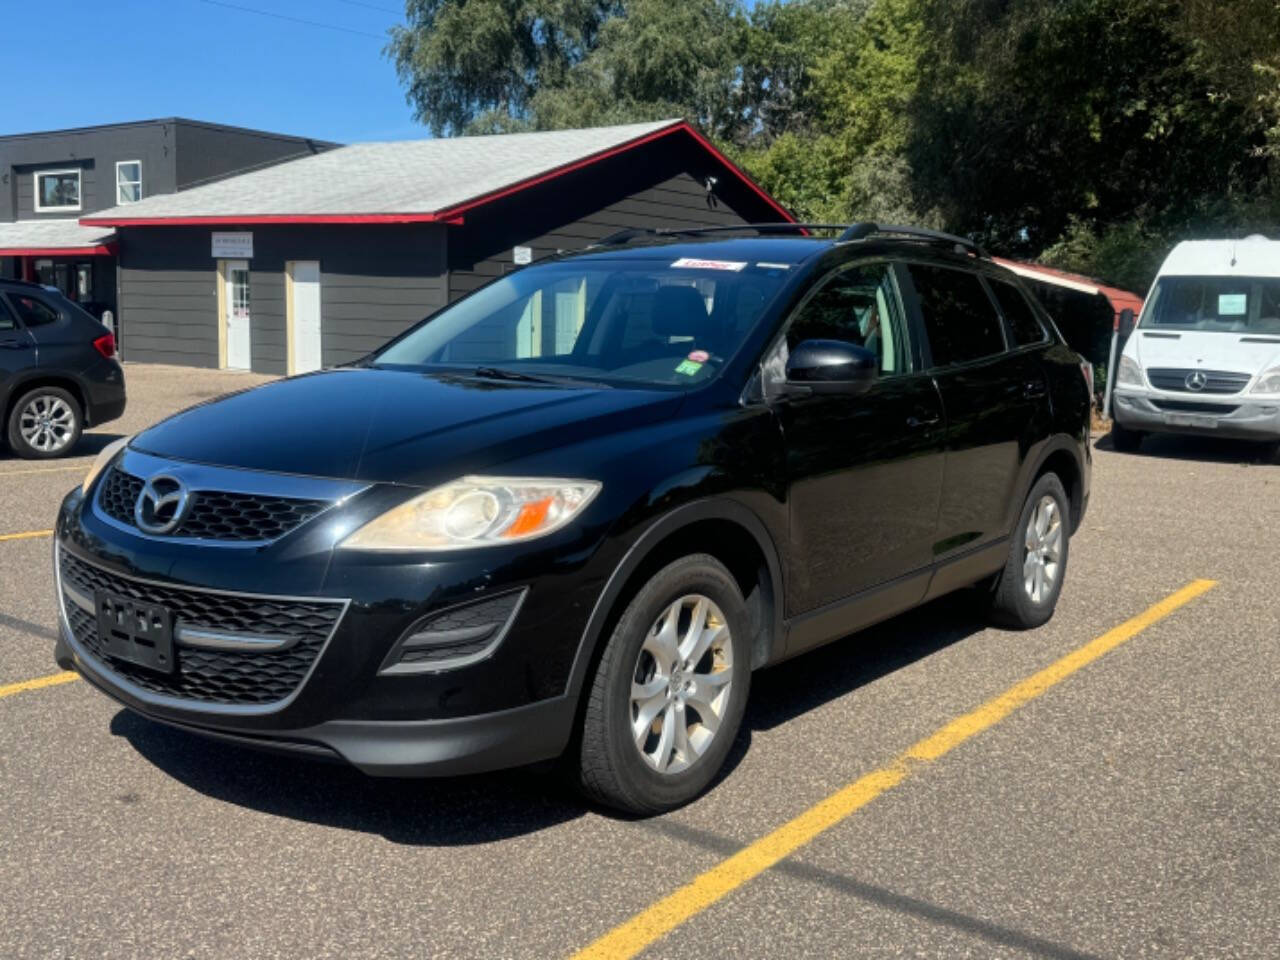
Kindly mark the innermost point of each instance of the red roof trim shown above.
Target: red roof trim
(98, 250)
(451, 215)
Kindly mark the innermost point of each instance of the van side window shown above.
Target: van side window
(959, 318)
(32, 311)
(1026, 326)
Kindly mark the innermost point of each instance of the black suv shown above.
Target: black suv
(575, 510)
(58, 372)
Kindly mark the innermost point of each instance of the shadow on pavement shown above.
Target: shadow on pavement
(1170, 446)
(89, 445)
(481, 809)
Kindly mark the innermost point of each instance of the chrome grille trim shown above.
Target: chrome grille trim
(110, 678)
(213, 480)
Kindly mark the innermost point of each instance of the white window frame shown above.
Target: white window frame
(119, 164)
(35, 184)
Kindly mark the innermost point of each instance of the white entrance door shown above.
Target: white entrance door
(237, 319)
(306, 315)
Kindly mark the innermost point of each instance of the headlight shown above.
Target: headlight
(477, 512)
(1269, 382)
(100, 462)
(1129, 372)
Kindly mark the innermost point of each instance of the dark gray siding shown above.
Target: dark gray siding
(661, 184)
(375, 282)
(208, 151)
(95, 151)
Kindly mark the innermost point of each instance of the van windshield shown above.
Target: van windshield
(1216, 304)
(667, 323)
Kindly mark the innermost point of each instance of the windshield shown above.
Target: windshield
(667, 323)
(1219, 304)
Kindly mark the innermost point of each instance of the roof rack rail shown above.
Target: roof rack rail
(861, 231)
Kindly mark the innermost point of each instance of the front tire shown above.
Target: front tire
(1027, 590)
(667, 698)
(45, 422)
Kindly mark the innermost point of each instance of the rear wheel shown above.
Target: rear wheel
(1124, 439)
(45, 422)
(668, 696)
(1027, 590)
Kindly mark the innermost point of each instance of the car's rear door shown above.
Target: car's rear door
(864, 473)
(996, 402)
(17, 351)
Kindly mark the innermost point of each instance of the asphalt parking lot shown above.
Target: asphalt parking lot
(1105, 786)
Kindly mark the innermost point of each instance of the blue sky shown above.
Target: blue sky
(140, 59)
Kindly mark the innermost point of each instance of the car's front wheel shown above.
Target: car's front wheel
(45, 422)
(668, 695)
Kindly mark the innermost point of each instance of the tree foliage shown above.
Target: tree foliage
(1091, 132)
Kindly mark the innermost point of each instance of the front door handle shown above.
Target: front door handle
(915, 423)
(11, 344)
(1034, 389)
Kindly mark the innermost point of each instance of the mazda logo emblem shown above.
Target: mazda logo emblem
(162, 504)
(1196, 380)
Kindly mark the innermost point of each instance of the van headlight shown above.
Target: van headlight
(476, 512)
(1268, 382)
(1129, 372)
(100, 462)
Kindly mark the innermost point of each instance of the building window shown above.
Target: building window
(57, 190)
(128, 181)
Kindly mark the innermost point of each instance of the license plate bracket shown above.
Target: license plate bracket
(1191, 420)
(134, 631)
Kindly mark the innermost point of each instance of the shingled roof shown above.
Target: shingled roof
(398, 182)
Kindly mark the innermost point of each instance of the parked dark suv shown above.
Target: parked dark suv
(574, 511)
(58, 372)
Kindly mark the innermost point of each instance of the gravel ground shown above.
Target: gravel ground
(1130, 811)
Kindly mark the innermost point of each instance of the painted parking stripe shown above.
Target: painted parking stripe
(82, 467)
(26, 535)
(52, 680)
(648, 926)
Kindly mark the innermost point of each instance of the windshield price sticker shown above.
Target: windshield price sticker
(692, 263)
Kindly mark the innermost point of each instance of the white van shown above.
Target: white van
(1205, 356)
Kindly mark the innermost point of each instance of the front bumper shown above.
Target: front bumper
(1233, 417)
(514, 706)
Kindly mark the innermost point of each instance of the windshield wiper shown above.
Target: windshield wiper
(497, 373)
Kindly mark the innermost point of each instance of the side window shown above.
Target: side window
(6, 318)
(959, 318)
(32, 311)
(859, 305)
(1026, 326)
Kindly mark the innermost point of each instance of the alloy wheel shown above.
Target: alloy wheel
(47, 423)
(1043, 563)
(680, 685)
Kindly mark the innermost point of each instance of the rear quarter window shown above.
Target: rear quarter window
(33, 311)
(1026, 326)
(959, 318)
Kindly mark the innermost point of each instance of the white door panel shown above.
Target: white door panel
(306, 316)
(239, 329)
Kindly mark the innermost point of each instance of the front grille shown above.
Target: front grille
(1190, 406)
(213, 514)
(210, 676)
(1216, 381)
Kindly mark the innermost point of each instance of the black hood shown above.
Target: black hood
(394, 426)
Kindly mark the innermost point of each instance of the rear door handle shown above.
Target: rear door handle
(1034, 389)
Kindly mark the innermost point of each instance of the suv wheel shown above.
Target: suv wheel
(1124, 439)
(44, 423)
(667, 698)
(1027, 590)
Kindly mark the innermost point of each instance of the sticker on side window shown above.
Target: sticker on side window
(1233, 304)
(692, 263)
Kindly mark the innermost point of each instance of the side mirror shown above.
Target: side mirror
(1125, 324)
(832, 366)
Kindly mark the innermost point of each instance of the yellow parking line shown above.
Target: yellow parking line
(661, 918)
(66, 676)
(26, 535)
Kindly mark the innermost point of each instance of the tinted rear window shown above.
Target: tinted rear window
(959, 318)
(1022, 319)
(34, 311)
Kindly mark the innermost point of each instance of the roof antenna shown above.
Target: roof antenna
(712, 202)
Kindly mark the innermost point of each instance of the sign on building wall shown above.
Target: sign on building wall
(237, 245)
(522, 255)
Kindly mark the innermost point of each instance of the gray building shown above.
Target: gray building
(319, 260)
(49, 180)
